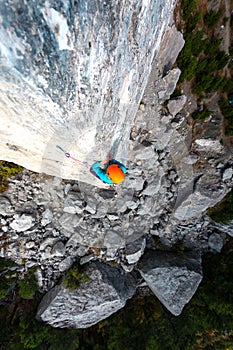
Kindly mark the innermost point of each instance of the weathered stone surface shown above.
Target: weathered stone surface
(22, 223)
(58, 249)
(170, 48)
(5, 206)
(209, 144)
(167, 84)
(227, 174)
(114, 239)
(65, 264)
(48, 242)
(209, 190)
(176, 105)
(216, 242)
(74, 75)
(135, 250)
(172, 279)
(191, 158)
(225, 228)
(47, 217)
(106, 292)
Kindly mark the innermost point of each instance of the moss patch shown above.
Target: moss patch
(7, 277)
(75, 277)
(7, 169)
(201, 115)
(28, 286)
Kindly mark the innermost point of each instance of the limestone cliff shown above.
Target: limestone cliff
(73, 74)
(93, 77)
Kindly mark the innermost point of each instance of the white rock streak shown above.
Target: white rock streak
(58, 23)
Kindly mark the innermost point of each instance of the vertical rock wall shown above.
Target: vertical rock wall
(73, 73)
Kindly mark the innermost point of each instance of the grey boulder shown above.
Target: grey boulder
(106, 291)
(173, 279)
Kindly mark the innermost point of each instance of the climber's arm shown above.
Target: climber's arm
(99, 170)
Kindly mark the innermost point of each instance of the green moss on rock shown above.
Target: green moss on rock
(75, 277)
(7, 277)
(28, 286)
(7, 169)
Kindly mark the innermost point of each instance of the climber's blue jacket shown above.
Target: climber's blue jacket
(99, 170)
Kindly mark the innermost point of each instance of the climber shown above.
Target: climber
(109, 171)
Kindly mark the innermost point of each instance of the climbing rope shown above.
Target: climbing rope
(85, 164)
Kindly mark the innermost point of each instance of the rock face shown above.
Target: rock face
(172, 279)
(226, 228)
(22, 223)
(73, 74)
(209, 190)
(105, 293)
(174, 175)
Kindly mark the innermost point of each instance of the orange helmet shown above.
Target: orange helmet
(115, 173)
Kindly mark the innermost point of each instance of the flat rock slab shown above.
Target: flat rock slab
(105, 293)
(173, 279)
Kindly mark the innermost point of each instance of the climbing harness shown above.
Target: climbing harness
(85, 164)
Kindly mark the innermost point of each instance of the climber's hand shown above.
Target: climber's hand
(107, 159)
